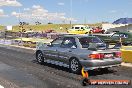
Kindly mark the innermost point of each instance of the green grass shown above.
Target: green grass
(45, 27)
(55, 27)
(1, 27)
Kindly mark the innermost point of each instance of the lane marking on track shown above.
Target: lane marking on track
(1, 86)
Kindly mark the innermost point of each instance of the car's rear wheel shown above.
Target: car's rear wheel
(86, 33)
(75, 66)
(90, 32)
(39, 57)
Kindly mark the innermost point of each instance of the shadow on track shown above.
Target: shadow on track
(66, 70)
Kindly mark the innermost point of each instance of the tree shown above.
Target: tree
(50, 23)
(37, 23)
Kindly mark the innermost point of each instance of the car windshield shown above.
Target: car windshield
(86, 40)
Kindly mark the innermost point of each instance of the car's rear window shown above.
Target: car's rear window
(86, 40)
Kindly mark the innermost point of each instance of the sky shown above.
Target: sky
(63, 11)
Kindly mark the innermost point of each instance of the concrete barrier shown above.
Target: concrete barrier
(30, 42)
(6, 42)
(126, 54)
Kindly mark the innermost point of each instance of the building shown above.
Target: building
(127, 27)
(107, 26)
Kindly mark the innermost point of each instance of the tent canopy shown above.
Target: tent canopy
(123, 21)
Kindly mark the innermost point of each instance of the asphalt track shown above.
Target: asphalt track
(19, 69)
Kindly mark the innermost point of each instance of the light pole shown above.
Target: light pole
(71, 12)
(20, 26)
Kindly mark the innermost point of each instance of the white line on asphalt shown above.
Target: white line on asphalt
(126, 64)
(1, 86)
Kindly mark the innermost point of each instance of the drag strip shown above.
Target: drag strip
(24, 71)
(26, 62)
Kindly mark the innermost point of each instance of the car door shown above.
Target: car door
(66, 49)
(83, 30)
(51, 50)
(78, 30)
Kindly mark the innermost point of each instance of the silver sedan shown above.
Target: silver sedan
(77, 51)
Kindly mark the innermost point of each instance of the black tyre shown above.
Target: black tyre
(103, 31)
(39, 57)
(90, 32)
(126, 44)
(86, 33)
(75, 66)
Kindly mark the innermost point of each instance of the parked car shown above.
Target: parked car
(124, 37)
(97, 30)
(50, 31)
(77, 51)
(79, 29)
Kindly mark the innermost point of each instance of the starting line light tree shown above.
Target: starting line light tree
(21, 26)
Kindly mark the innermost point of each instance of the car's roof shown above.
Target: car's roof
(78, 35)
(124, 32)
(79, 26)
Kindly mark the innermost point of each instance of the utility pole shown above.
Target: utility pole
(20, 26)
(5, 35)
(71, 12)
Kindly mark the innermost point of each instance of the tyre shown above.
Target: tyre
(103, 31)
(75, 66)
(90, 32)
(129, 44)
(39, 57)
(86, 33)
(126, 44)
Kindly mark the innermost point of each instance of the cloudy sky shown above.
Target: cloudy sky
(62, 11)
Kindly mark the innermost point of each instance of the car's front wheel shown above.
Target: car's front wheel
(103, 31)
(39, 57)
(75, 66)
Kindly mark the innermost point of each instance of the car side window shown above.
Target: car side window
(57, 42)
(84, 42)
(68, 42)
(77, 27)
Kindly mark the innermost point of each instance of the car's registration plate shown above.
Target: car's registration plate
(108, 55)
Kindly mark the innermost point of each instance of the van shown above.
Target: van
(79, 29)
